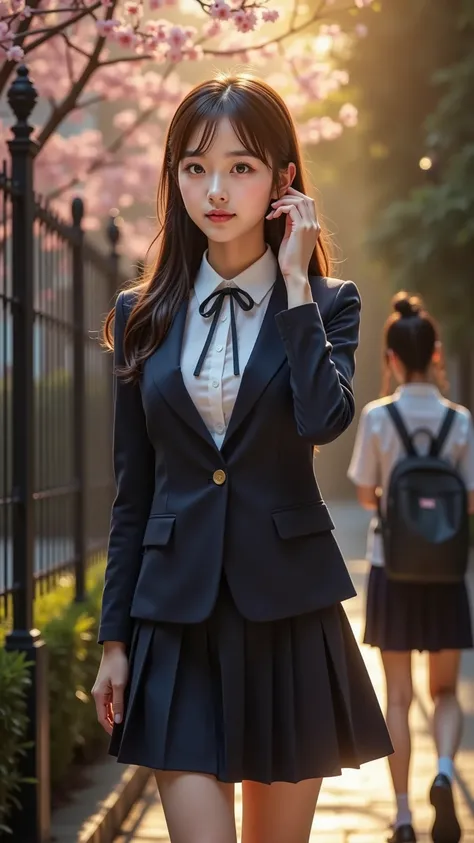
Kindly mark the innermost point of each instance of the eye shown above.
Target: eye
(189, 169)
(246, 168)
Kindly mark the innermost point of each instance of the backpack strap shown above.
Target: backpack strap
(407, 440)
(437, 444)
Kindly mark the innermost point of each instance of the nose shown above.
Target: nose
(217, 193)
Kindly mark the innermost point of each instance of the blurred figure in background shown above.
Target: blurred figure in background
(403, 616)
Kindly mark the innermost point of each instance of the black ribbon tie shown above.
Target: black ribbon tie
(212, 306)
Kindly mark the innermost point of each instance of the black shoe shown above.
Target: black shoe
(403, 834)
(446, 828)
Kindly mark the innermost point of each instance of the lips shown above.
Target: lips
(219, 216)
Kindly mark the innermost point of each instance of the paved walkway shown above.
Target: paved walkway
(357, 806)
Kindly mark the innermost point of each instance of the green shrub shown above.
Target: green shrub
(70, 632)
(14, 682)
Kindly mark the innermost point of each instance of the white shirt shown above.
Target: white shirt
(378, 447)
(214, 391)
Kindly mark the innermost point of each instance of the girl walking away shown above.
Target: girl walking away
(402, 441)
(221, 615)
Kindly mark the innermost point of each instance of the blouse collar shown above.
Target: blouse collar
(256, 280)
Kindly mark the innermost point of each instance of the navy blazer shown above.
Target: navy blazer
(186, 511)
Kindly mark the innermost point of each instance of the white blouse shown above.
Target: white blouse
(378, 447)
(215, 389)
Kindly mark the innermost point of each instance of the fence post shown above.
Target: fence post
(31, 823)
(113, 236)
(80, 549)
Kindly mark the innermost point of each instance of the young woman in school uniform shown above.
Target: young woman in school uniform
(221, 610)
(402, 617)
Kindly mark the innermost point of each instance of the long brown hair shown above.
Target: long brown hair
(412, 334)
(264, 126)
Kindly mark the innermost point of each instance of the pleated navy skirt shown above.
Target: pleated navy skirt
(412, 616)
(273, 701)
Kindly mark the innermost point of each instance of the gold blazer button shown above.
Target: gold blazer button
(219, 477)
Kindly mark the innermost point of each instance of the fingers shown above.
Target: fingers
(304, 206)
(104, 709)
(109, 704)
(292, 210)
(117, 702)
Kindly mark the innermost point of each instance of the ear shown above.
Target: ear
(286, 179)
(437, 353)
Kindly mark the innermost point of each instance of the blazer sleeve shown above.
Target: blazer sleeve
(322, 363)
(134, 471)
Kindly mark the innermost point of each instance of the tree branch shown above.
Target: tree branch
(75, 47)
(144, 57)
(293, 29)
(69, 102)
(8, 66)
(55, 30)
(113, 148)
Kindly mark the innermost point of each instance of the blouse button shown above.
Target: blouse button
(215, 384)
(219, 347)
(220, 428)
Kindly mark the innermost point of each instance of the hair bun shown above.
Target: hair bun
(406, 305)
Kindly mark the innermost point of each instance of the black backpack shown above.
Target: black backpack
(425, 529)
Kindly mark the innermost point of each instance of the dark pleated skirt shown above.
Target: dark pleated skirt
(412, 616)
(273, 701)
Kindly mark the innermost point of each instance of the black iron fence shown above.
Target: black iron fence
(55, 381)
(56, 482)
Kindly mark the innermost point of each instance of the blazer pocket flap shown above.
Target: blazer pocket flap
(158, 530)
(302, 520)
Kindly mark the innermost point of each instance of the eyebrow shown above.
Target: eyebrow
(233, 153)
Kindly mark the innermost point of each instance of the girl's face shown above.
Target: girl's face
(226, 190)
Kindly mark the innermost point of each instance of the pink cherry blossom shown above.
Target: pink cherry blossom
(177, 37)
(220, 10)
(125, 36)
(270, 15)
(107, 27)
(175, 54)
(244, 21)
(15, 54)
(134, 8)
(348, 115)
(156, 4)
(361, 30)
(361, 4)
(194, 53)
(212, 29)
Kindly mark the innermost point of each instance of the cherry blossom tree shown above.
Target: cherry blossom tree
(111, 72)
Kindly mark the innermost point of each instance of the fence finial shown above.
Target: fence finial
(77, 208)
(22, 96)
(113, 233)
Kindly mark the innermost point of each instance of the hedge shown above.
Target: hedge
(70, 632)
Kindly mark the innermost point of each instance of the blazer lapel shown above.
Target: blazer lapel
(267, 357)
(165, 366)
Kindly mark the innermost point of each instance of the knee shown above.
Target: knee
(441, 693)
(400, 698)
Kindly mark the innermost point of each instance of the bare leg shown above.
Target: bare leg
(447, 730)
(197, 808)
(280, 812)
(397, 667)
(448, 718)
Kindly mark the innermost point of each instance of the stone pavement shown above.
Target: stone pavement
(357, 806)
